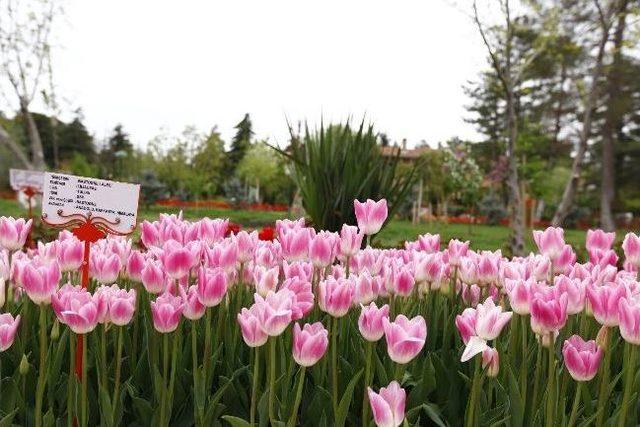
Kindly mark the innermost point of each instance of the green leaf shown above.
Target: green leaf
(345, 401)
(515, 399)
(106, 410)
(7, 420)
(235, 421)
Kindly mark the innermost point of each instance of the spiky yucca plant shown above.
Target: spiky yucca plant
(336, 164)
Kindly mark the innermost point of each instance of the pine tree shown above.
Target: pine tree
(240, 142)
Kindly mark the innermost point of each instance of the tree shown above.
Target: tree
(260, 166)
(117, 156)
(509, 70)
(25, 29)
(616, 106)
(604, 22)
(240, 142)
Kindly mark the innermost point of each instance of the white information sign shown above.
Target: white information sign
(22, 178)
(115, 202)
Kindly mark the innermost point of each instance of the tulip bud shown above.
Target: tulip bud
(24, 365)
(602, 339)
(55, 331)
(491, 362)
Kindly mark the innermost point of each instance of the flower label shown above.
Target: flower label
(20, 179)
(110, 203)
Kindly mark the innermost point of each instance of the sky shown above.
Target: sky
(154, 65)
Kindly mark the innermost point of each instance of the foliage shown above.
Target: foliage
(492, 207)
(240, 143)
(262, 167)
(79, 165)
(336, 164)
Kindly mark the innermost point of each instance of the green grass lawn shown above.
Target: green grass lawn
(481, 236)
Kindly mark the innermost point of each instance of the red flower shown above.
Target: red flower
(267, 233)
(232, 228)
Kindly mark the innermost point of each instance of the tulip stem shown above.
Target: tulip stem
(41, 371)
(103, 356)
(254, 386)
(165, 374)
(116, 380)
(334, 366)
(629, 372)
(84, 402)
(367, 382)
(523, 362)
(473, 397)
(296, 405)
(174, 367)
(198, 410)
(536, 380)
(551, 387)
(604, 383)
(207, 346)
(272, 379)
(71, 380)
(574, 407)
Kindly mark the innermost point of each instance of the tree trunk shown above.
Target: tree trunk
(515, 202)
(572, 184)
(613, 122)
(37, 153)
(5, 139)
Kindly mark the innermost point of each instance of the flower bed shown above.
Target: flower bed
(292, 326)
(221, 204)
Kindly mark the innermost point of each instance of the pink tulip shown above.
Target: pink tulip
(471, 295)
(295, 243)
(405, 338)
(303, 297)
(3, 290)
(252, 332)
(274, 311)
(212, 230)
(153, 277)
(429, 243)
(48, 252)
(519, 292)
(193, 308)
(603, 257)
(299, 269)
(166, 311)
(456, 251)
(489, 267)
(565, 259)
(149, 234)
(246, 243)
(466, 324)
(8, 330)
(322, 249)
(122, 306)
(70, 254)
(309, 343)
(265, 279)
(350, 241)
(135, 264)
(489, 322)
(212, 286)
(366, 287)
(104, 267)
(335, 296)
(370, 215)
(40, 281)
(5, 266)
(370, 321)
(550, 241)
(575, 290)
(268, 254)
(631, 248)
(629, 316)
(388, 405)
(604, 301)
(284, 225)
(598, 239)
(177, 260)
(14, 232)
(491, 362)
(548, 310)
(468, 271)
(76, 308)
(402, 281)
(582, 358)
